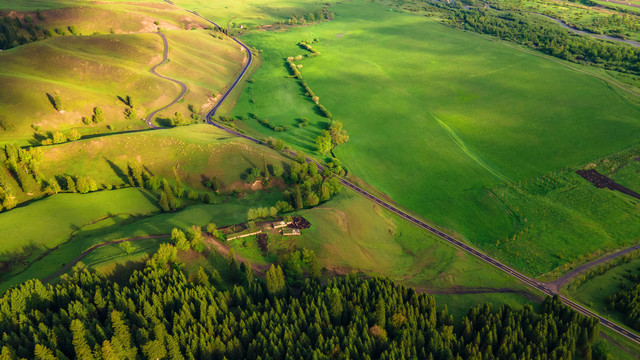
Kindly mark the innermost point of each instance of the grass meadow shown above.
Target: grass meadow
(197, 152)
(251, 12)
(594, 291)
(436, 116)
(88, 232)
(49, 222)
(90, 71)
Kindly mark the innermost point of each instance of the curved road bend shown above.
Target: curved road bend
(165, 56)
(525, 279)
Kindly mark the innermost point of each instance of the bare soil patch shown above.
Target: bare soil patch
(298, 222)
(601, 181)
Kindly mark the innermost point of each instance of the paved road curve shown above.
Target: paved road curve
(525, 279)
(165, 56)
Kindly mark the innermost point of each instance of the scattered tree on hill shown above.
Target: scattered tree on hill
(98, 115)
(74, 135)
(212, 230)
(59, 138)
(179, 120)
(196, 241)
(55, 101)
(126, 247)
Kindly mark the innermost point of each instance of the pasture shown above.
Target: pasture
(90, 71)
(197, 152)
(436, 116)
(594, 291)
(251, 12)
(89, 229)
(47, 223)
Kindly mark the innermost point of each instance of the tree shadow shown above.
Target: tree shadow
(52, 100)
(122, 272)
(118, 171)
(165, 122)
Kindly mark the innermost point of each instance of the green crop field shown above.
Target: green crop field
(436, 115)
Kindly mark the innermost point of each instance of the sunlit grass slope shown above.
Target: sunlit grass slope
(90, 71)
(436, 115)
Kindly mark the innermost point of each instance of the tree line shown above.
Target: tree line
(163, 313)
(540, 34)
(627, 301)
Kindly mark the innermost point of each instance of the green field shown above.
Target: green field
(436, 115)
(122, 227)
(251, 12)
(47, 223)
(350, 232)
(594, 291)
(198, 152)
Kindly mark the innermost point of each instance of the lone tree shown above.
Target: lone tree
(55, 101)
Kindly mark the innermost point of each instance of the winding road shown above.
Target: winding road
(165, 56)
(513, 273)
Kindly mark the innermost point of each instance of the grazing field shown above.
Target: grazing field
(563, 219)
(594, 291)
(98, 71)
(251, 12)
(197, 152)
(349, 232)
(121, 227)
(436, 116)
(49, 222)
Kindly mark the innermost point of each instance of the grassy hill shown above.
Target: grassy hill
(436, 115)
(197, 153)
(90, 71)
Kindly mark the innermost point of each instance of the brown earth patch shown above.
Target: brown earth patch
(601, 181)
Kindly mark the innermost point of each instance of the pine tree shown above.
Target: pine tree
(275, 281)
(80, 346)
(43, 353)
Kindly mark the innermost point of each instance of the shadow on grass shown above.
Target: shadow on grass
(118, 171)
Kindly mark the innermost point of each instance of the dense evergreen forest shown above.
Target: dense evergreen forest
(162, 313)
(536, 32)
(627, 301)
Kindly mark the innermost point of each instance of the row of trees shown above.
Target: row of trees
(161, 313)
(59, 137)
